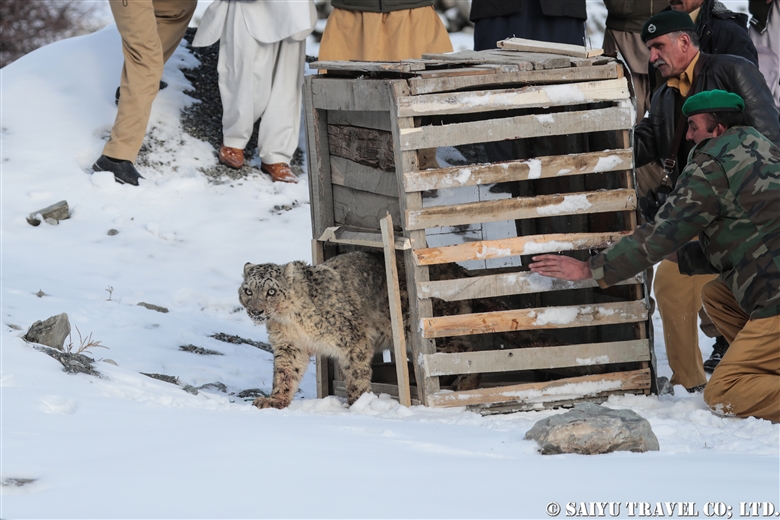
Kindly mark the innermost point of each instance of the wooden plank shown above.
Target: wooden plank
(423, 85)
(565, 317)
(340, 390)
(562, 389)
(522, 44)
(361, 177)
(362, 209)
(320, 188)
(507, 284)
(538, 168)
(465, 71)
(396, 314)
(518, 208)
(374, 120)
(360, 237)
(404, 162)
(527, 245)
(539, 60)
(518, 127)
(536, 358)
(349, 94)
(362, 145)
(368, 66)
(536, 96)
(321, 362)
(479, 57)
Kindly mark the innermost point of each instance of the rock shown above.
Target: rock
(174, 381)
(199, 350)
(50, 332)
(664, 386)
(251, 393)
(214, 386)
(50, 214)
(590, 429)
(112, 232)
(40, 294)
(153, 307)
(72, 363)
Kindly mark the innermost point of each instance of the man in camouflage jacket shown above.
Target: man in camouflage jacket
(728, 195)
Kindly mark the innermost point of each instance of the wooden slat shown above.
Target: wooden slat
(361, 177)
(465, 71)
(349, 94)
(527, 245)
(507, 284)
(409, 161)
(430, 85)
(540, 61)
(368, 66)
(522, 44)
(562, 389)
(509, 99)
(565, 317)
(537, 358)
(361, 208)
(396, 314)
(320, 188)
(362, 145)
(538, 168)
(363, 119)
(323, 375)
(519, 127)
(340, 390)
(479, 57)
(360, 237)
(518, 208)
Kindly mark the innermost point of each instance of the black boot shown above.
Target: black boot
(116, 95)
(718, 350)
(124, 171)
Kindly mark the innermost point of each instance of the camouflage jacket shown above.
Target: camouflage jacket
(728, 195)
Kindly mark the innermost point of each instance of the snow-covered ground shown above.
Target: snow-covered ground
(127, 446)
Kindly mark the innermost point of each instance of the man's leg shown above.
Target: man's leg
(145, 51)
(238, 61)
(679, 301)
(280, 119)
(746, 383)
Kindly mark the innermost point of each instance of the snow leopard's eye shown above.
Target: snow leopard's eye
(247, 291)
(271, 292)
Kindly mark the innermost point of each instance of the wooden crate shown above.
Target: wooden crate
(369, 123)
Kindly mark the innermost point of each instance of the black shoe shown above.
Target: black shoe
(124, 171)
(718, 350)
(698, 389)
(116, 96)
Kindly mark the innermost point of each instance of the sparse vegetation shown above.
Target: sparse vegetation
(84, 344)
(26, 25)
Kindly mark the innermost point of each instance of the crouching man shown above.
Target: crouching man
(728, 195)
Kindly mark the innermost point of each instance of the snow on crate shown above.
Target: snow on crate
(569, 204)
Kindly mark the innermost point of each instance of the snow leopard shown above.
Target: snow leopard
(339, 309)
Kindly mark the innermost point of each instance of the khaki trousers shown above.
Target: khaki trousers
(151, 30)
(746, 383)
(679, 302)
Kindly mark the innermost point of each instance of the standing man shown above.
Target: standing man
(150, 30)
(262, 52)
(728, 195)
(672, 41)
(765, 33)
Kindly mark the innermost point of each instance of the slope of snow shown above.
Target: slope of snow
(128, 446)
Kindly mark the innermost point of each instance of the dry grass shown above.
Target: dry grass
(84, 344)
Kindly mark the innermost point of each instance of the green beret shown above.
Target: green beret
(713, 101)
(666, 22)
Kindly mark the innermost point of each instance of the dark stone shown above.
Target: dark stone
(112, 232)
(50, 214)
(72, 363)
(237, 340)
(214, 386)
(251, 393)
(199, 350)
(153, 307)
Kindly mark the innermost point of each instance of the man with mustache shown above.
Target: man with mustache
(671, 39)
(728, 195)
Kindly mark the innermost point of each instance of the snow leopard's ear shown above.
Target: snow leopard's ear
(247, 267)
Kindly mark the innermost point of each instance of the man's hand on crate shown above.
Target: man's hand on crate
(559, 266)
